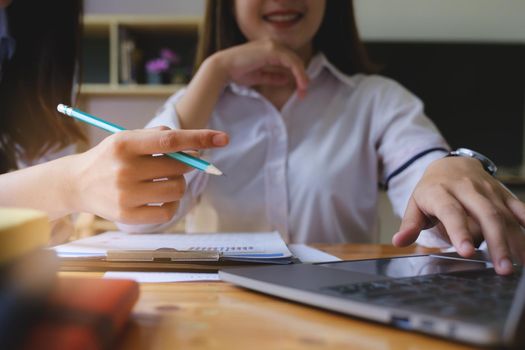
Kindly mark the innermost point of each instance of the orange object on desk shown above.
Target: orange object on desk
(84, 313)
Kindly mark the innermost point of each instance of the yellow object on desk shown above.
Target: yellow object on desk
(21, 231)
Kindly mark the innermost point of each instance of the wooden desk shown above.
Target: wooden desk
(217, 315)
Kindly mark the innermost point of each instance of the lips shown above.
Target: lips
(283, 17)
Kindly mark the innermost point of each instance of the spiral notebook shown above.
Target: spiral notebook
(117, 250)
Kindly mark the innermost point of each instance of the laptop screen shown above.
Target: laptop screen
(409, 266)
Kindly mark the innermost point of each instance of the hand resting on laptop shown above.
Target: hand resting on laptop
(466, 205)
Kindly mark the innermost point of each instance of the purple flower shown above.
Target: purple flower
(170, 56)
(157, 65)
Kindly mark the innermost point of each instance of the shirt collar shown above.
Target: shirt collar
(318, 64)
(242, 90)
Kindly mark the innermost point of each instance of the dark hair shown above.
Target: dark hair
(338, 37)
(39, 76)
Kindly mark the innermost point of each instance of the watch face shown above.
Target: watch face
(488, 165)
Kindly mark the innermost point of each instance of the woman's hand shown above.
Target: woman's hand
(261, 62)
(467, 205)
(117, 179)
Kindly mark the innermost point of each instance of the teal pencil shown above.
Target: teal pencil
(113, 128)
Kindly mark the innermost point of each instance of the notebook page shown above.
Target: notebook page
(162, 277)
(260, 245)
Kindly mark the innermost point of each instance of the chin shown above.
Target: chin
(290, 43)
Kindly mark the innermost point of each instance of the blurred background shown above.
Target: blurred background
(465, 59)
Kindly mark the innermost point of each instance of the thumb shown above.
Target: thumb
(412, 223)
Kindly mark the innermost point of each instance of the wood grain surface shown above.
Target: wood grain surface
(217, 315)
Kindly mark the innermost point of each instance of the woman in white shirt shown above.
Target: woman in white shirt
(38, 58)
(309, 146)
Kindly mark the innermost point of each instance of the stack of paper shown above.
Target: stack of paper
(173, 251)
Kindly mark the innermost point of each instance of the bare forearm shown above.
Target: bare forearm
(45, 187)
(196, 107)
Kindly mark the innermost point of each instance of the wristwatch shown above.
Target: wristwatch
(487, 164)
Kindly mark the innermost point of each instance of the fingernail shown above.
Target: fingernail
(505, 264)
(465, 247)
(219, 139)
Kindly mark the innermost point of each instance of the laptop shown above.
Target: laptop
(439, 294)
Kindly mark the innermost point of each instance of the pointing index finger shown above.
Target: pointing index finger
(169, 141)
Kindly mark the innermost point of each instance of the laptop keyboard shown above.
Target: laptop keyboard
(482, 295)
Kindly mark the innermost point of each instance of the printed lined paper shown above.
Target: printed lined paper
(246, 245)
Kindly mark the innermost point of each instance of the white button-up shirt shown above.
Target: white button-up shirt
(310, 170)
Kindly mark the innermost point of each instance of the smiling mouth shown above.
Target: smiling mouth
(283, 18)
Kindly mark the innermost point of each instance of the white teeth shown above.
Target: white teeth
(282, 18)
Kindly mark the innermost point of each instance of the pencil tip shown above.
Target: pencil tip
(211, 169)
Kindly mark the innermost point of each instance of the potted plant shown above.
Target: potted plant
(165, 68)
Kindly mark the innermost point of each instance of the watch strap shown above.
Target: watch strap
(487, 164)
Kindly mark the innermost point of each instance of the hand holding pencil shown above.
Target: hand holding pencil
(119, 178)
(113, 128)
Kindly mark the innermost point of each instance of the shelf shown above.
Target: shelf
(138, 89)
(117, 48)
(91, 21)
